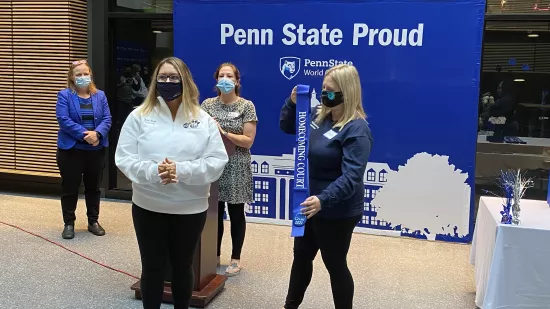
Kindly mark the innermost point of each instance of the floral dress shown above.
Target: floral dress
(236, 180)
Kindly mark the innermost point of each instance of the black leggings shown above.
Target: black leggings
(333, 238)
(238, 227)
(161, 237)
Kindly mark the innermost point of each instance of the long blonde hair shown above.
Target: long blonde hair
(347, 78)
(190, 93)
(70, 80)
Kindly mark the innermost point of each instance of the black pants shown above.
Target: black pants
(74, 166)
(333, 238)
(161, 237)
(238, 227)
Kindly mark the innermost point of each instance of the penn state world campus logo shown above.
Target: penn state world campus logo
(289, 66)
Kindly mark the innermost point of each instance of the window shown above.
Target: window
(257, 184)
(382, 176)
(373, 193)
(367, 193)
(145, 6)
(265, 185)
(265, 198)
(257, 197)
(371, 175)
(254, 167)
(265, 210)
(365, 220)
(367, 206)
(265, 168)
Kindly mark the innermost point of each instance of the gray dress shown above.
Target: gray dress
(236, 180)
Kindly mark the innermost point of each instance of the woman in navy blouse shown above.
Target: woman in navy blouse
(84, 122)
(340, 144)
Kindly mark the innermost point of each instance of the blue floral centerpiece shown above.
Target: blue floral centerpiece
(513, 185)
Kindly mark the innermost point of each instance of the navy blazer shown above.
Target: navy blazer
(69, 118)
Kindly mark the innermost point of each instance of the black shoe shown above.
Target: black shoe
(68, 232)
(96, 229)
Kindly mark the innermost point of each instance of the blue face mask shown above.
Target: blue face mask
(83, 81)
(225, 85)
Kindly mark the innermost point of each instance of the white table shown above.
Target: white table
(512, 263)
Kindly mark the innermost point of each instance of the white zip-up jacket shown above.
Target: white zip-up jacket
(196, 147)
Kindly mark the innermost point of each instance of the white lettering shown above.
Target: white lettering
(246, 36)
(385, 37)
(312, 36)
(325, 63)
(301, 35)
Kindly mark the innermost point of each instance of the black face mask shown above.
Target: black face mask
(332, 98)
(169, 91)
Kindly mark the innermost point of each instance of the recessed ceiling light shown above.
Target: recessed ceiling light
(533, 35)
(157, 31)
(519, 80)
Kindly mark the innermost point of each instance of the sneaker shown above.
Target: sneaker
(233, 269)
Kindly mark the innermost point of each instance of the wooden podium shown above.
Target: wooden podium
(208, 284)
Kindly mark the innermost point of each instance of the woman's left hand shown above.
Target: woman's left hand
(312, 206)
(219, 127)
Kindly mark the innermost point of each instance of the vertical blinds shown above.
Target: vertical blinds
(535, 55)
(38, 41)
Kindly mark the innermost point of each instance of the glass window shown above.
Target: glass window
(137, 47)
(515, 80)
(145, 6)
(518, 7)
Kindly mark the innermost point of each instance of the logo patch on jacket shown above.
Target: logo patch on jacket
(193, 124)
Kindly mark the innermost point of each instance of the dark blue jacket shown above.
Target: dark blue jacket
(337, 162)
(69, 118)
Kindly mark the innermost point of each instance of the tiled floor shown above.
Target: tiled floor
(389, 272)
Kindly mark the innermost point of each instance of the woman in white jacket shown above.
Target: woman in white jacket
(172, 151)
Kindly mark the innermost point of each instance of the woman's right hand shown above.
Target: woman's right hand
(293, 94)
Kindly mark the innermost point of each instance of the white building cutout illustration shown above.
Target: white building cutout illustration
(273, 180)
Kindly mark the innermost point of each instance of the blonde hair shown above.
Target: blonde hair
(70, 81)
(190, 92)
(347, 78)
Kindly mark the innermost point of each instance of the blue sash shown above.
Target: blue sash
(301, 173)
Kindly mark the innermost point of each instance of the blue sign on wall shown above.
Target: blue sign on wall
(419, 64)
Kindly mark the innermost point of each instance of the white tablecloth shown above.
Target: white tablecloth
(512, 263)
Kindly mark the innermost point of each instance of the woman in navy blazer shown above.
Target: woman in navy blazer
(84, 121)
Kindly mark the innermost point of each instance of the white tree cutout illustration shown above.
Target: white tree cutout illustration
(426, 193)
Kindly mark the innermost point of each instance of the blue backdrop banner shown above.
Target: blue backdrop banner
(419, 63)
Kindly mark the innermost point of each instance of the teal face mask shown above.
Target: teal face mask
(83, 81)
(225, 85)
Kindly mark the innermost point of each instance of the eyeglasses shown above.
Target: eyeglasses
(166, 79)
(79, 62)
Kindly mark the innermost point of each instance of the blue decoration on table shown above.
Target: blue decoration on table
(513, 140)
(301, 168)
(506, 217)
(512, 61)
(525, 67)
(513, 185)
